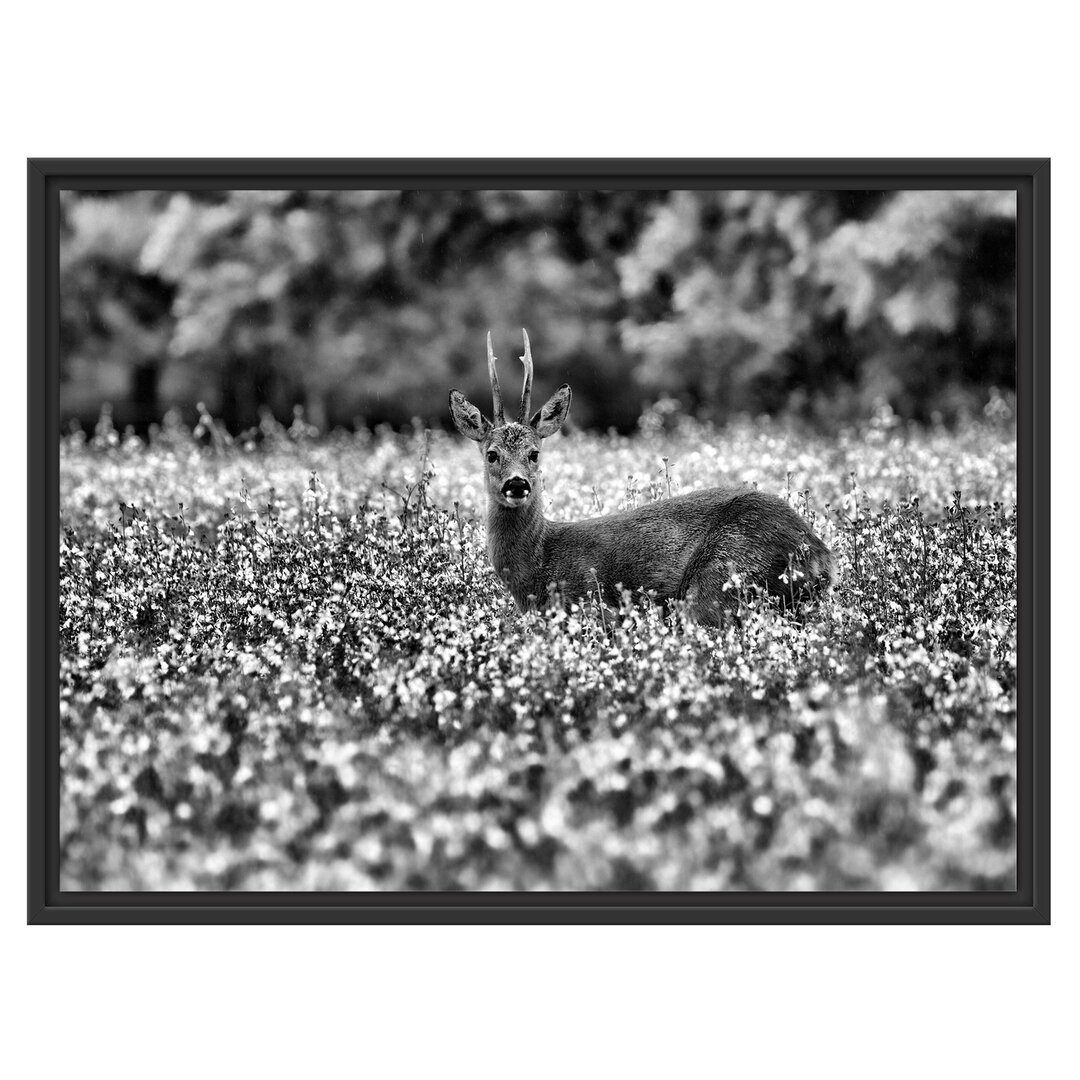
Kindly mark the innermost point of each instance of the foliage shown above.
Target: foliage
(285, 664)
(366, 305)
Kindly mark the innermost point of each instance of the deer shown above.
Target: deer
(700, 550)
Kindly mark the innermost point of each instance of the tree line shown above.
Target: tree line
(364, 307)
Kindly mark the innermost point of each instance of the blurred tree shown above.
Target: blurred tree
(367, 305)
(927, 291)
(114, 318)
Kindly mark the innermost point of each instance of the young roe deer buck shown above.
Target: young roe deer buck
(685, 548)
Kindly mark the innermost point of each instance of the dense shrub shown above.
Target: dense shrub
(365, 305)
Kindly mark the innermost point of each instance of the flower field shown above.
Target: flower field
(286, 665)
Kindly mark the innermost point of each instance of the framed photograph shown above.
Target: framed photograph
(538, 541)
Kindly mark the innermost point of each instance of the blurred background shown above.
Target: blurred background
(365, 307)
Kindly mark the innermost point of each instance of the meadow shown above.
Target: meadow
(286, 665)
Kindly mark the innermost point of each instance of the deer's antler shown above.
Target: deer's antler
(526, 390)
(496, 395)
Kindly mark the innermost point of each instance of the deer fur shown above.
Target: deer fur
(698, 548)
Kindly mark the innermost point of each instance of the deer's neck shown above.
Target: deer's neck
(516, 545)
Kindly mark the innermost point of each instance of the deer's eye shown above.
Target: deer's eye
(534, 455)
(493, 456)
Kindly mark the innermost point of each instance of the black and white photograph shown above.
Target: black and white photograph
(463, 539)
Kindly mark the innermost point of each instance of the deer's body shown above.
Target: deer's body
(686, 548)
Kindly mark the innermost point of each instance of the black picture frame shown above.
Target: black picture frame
(1030, 903)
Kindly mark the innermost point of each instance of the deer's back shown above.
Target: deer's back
(666, 546)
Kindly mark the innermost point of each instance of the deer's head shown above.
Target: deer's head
(511, 449)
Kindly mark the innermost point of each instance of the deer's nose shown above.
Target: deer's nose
(517, 487)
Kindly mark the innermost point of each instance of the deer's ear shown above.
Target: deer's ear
(550, 418)
(467, 417)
